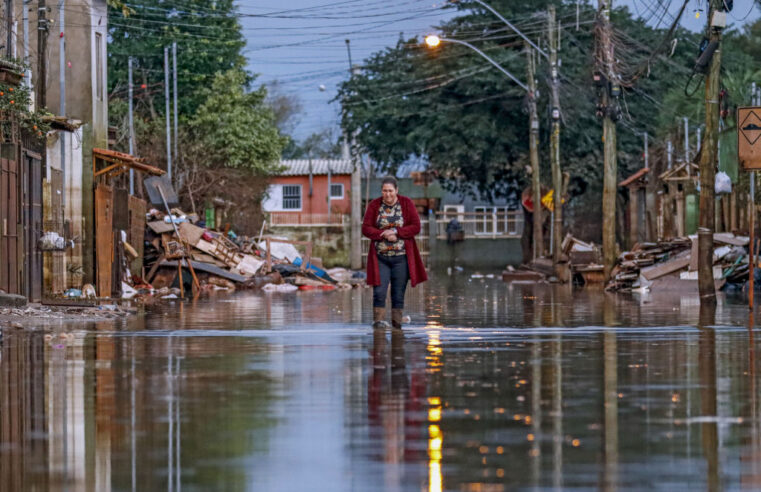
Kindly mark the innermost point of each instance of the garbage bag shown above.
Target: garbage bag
(722, 184)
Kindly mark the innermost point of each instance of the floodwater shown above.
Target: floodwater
(491, 387)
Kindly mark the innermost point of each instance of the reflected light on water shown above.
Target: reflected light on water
(435, 440)
(435, 436)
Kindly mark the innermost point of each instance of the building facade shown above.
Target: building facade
(60, 185)
(310, 191)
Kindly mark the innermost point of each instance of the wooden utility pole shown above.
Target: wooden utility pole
(42, 48)
(610, 104)
(708, 158)
(533, 144)
(557, 178)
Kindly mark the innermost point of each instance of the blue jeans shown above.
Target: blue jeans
(393, 270)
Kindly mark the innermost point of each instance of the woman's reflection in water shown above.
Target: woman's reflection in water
(393, 404)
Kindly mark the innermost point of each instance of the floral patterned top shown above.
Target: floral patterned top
(390, 217)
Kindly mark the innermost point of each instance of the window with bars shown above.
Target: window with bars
(336, 191)
(291, 197)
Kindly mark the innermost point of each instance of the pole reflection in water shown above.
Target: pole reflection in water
(709, 427)
(751, 455)
(556, 346)
(610, 410)
(536, 412)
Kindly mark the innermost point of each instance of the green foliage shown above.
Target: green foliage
(470, 121)
(318, 145)
(15, 101)
(234, 128)
(209, 40)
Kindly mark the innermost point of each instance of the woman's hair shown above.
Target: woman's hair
(390, 180)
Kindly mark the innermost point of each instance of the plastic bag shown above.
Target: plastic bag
(723, 183)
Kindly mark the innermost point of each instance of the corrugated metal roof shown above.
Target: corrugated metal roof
(300, 167)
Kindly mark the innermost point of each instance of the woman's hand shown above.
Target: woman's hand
(389, 235)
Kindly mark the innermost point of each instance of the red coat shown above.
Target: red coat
(408, 232)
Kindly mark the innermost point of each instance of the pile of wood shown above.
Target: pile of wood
(676, 259)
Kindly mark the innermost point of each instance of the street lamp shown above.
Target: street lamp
(510, 25)
(433, 41)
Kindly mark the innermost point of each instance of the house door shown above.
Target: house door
(32, 225)
(9, 220)
(104, 239)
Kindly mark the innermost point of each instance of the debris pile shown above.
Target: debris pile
(181, 254)
(674, 262)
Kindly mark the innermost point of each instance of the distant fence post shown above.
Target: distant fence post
(432, 233)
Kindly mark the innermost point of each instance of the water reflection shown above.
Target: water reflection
(492, 387)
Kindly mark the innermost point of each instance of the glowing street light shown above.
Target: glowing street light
(432, 40)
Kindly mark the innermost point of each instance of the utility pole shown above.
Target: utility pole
(168, 117)
(647, 152)
(557, 178)
(10, 41)
(174, 95)
(25, 23)
(687, 144)
(42, 48)
(533, 144)
(62, 88)
(716, 21)
(131, 124)
(356, 190)
(610, 93)
(669, 153)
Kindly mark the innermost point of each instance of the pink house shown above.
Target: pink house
(310, 191)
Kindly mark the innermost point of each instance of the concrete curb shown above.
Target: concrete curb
(12, 300)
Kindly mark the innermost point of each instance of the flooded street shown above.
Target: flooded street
(491, 387)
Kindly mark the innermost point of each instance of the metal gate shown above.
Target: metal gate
(9, 220)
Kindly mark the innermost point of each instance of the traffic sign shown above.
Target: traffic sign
(749, 137)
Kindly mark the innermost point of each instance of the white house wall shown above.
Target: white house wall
(274, 200)
(73, 170)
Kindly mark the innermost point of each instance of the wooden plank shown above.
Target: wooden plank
(729, 238)
(104, 239)
(136, 234)
(208, 268)
(657, 271)
(190, 233)
(160, 227)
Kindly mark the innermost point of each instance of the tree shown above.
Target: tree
(325, 144)
(468, 120)
(209, 40)
(285, 107)
(235, 128)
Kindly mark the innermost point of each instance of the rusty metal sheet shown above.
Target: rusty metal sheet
(136, 233)
(121, 209)
(104, 239)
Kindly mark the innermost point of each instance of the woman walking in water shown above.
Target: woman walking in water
(391, 223)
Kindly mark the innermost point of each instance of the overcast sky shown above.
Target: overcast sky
(301, 43)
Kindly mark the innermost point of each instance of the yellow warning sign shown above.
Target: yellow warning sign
(547, 201)
(749, 137)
